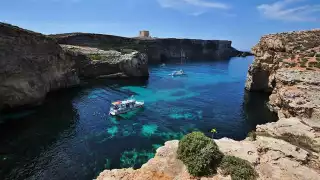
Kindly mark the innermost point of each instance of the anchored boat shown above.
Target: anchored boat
(121, 107)
(177, 73)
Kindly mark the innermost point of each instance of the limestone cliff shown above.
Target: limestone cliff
(93, 62)
(288, 65)
(158, 50)
(31, 65)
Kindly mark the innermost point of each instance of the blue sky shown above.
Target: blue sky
(242, 21)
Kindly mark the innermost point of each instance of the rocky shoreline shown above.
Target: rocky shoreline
(158, 50)
(286, 65)
(33, 64)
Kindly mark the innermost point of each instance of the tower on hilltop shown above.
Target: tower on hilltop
(144, 33)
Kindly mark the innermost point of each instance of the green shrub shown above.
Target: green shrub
(293, 64)
(293, 56)
(318, 55)
(311, 54)
(304, 59)
(95, 56)
(312, 64)
(239, 169)
(199, 153)
(318, 58)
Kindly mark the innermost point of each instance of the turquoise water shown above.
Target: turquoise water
(72, 136)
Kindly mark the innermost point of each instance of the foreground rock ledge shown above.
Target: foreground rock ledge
(272, 158)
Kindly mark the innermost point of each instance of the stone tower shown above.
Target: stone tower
(144, 34)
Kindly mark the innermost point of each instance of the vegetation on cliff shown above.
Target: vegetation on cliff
(157, 49)
(202, 157)
(238, 168)
(199, 153)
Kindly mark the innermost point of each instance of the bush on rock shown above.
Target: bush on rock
(239, 169)
(199, 153)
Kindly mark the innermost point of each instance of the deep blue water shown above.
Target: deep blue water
(72, 136)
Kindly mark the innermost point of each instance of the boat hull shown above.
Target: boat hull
(115, 113)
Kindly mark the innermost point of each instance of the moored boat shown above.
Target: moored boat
(177, 73)
(121, 107)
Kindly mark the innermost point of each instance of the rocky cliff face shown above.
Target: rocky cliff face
(95, 63)
(31, 65)
(158, 50)
(288, 66)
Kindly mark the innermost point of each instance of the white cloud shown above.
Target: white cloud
(193, 7)
(291, 10)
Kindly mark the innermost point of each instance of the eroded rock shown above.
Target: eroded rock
(93, 62)
(31, 65)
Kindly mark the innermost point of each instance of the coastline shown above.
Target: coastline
(286, 149)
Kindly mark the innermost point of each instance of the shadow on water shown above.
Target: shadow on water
(255, 109)
(72, 136)
(141, 82)
(25, 135)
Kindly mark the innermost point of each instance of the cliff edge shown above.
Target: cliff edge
(158, 49)
(32, 65)
(288, 66)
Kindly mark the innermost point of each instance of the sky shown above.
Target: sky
(242, 21)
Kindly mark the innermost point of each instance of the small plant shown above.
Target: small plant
(318, 58)
(312, 64)
(199, 153)
(252, 135)
(304, 60)
(318, 55)
(293, 56)
(311, 54)
(213, 131)
(239, 169)
(95, 56)
(293, 64)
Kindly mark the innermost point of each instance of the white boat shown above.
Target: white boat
(163, 65)
(177, 73)
(121, 107)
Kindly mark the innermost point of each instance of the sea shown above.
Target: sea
(72, 136)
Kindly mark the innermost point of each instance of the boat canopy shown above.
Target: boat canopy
(116, 103)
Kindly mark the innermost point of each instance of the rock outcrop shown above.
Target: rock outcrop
(93, 62)
(271, 157)
(164, 166)
(288, 66)
(158, 50)
(31, 65)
